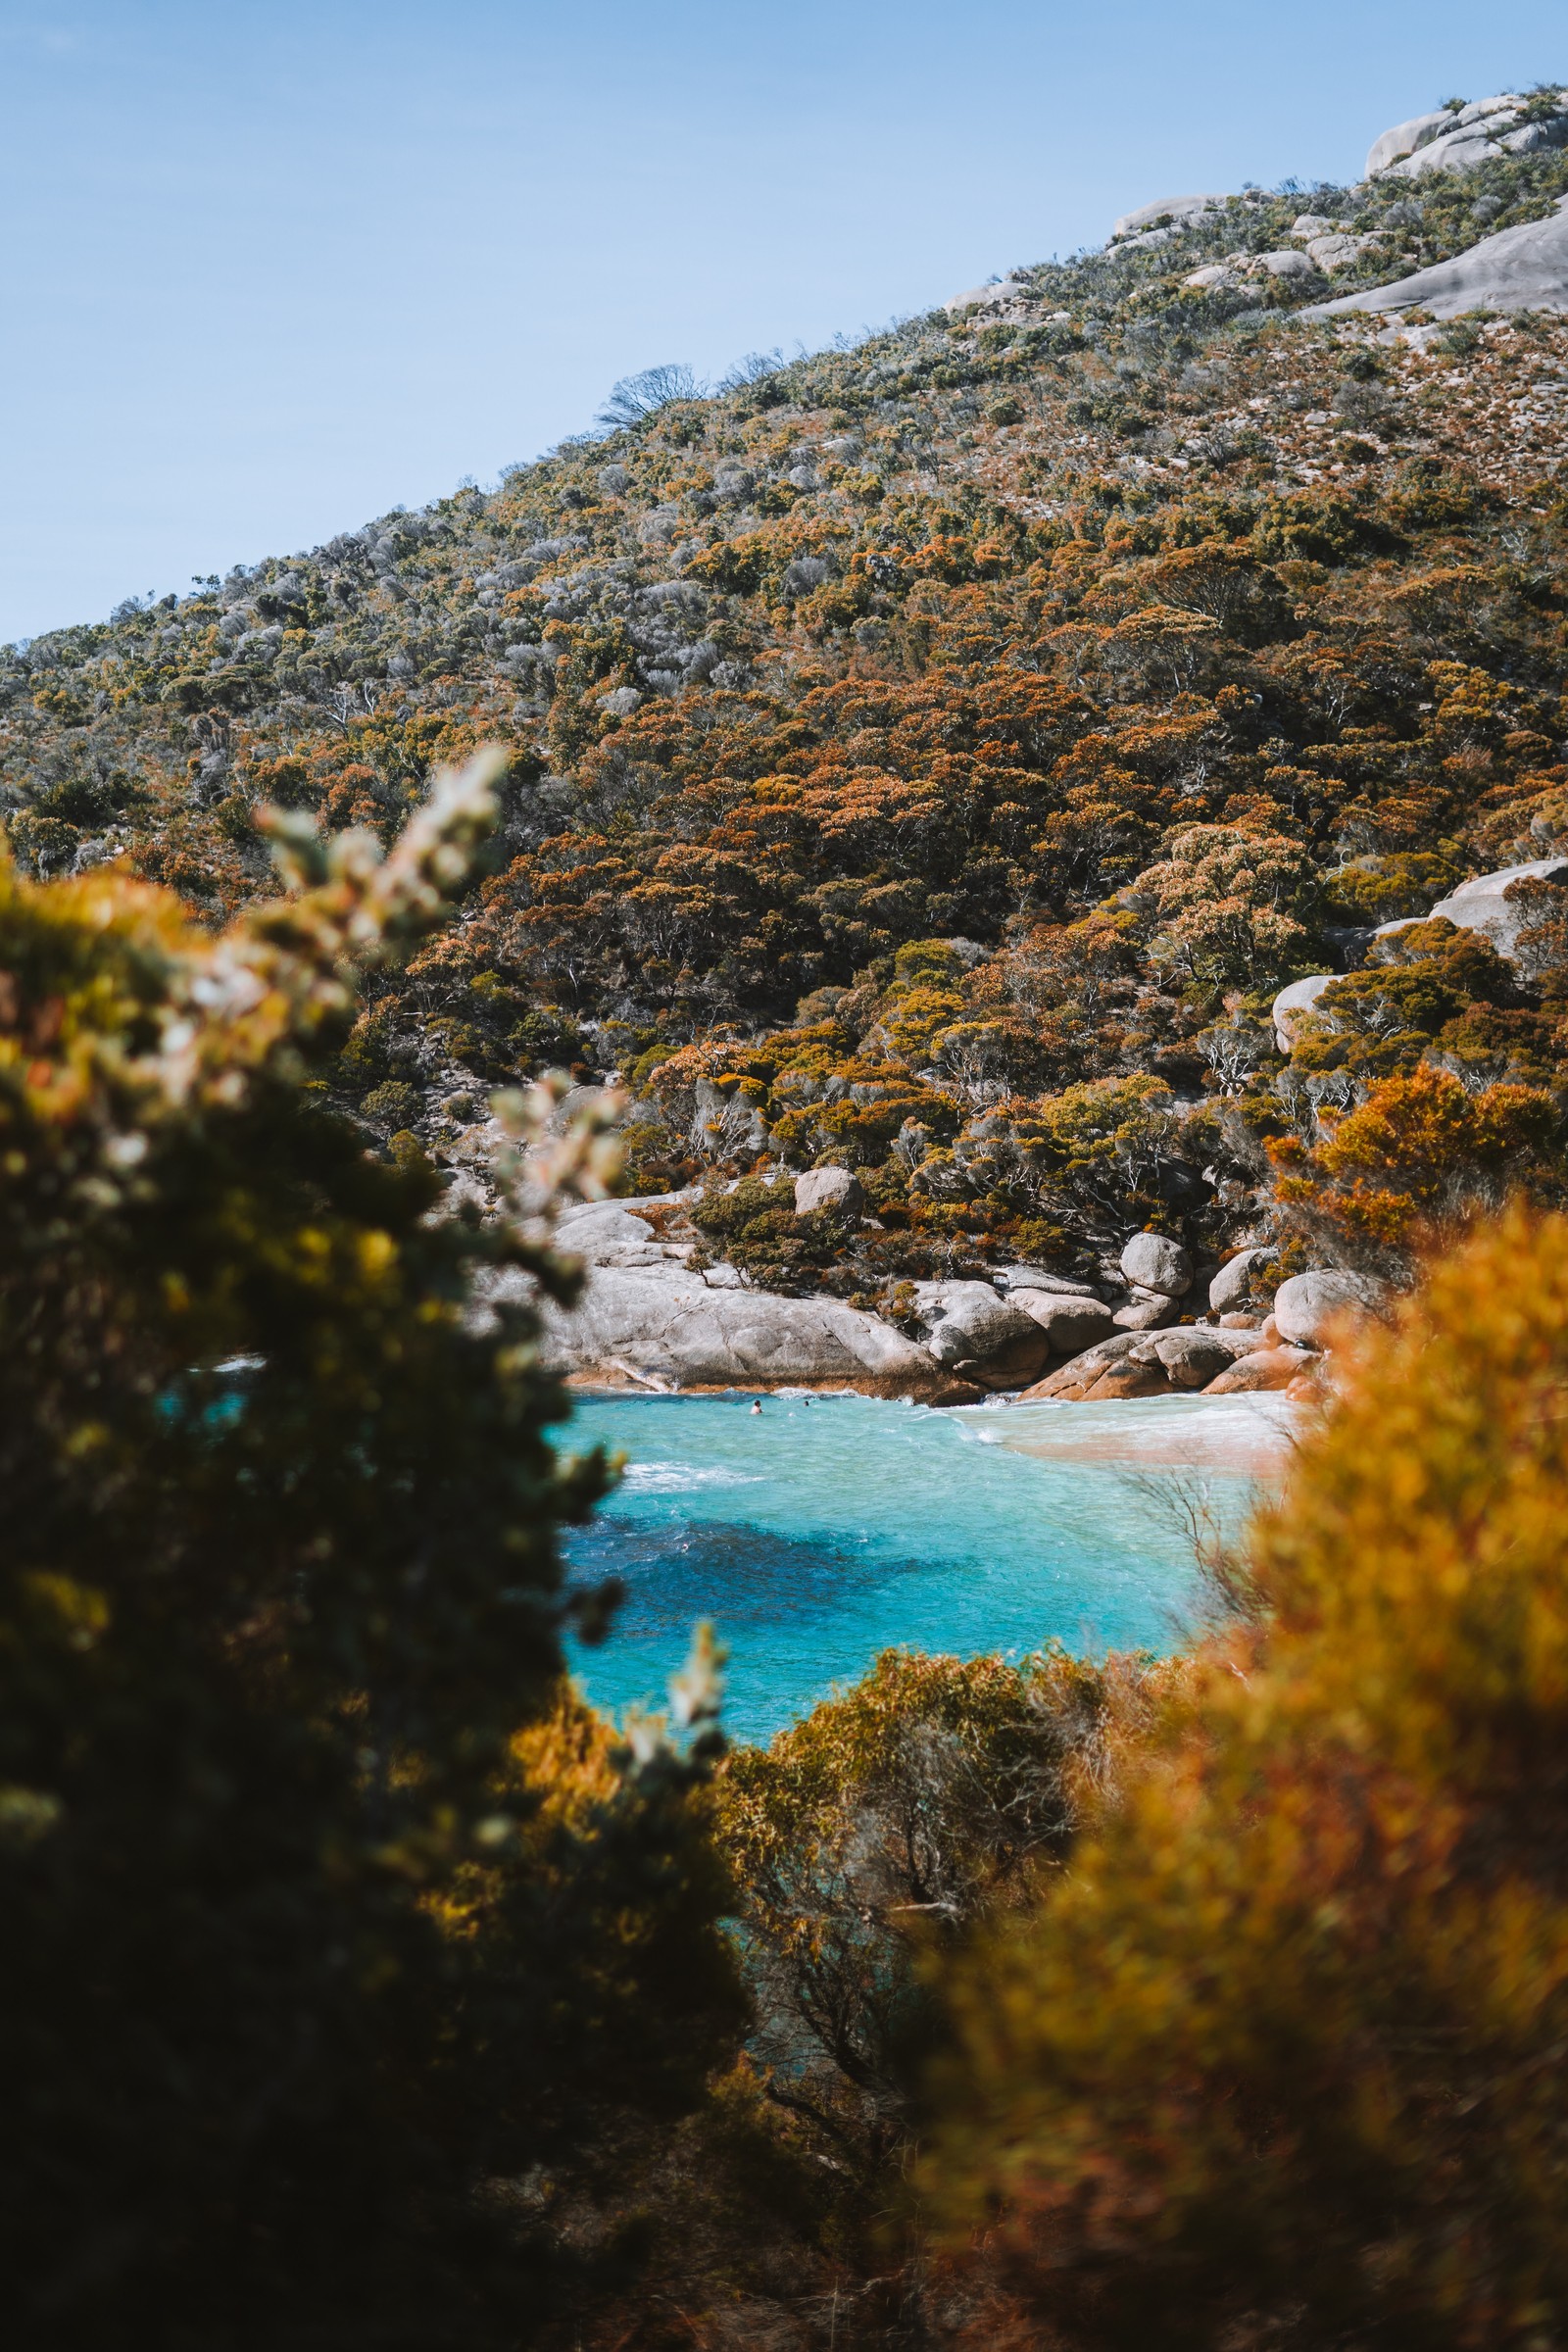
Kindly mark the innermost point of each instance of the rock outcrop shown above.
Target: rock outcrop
(647, 1317)
(1175, 211)
(653, 1315)
(1462, 138)
(1072, 1381)
(1521, 269)
(1146, 1310)
(1390, 146)
(986, 298)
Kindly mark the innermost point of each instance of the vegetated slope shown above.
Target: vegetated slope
(933, 755)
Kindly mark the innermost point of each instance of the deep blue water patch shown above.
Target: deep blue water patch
(817, 1532)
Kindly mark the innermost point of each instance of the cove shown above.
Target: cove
(824, 1529)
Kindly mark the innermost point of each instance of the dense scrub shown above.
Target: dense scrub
(934, 754)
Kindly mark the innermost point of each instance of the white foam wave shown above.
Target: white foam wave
(681, 1477)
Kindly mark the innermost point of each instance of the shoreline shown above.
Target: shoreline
(1242, 1436)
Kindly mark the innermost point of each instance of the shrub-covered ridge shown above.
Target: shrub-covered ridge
(934, 755)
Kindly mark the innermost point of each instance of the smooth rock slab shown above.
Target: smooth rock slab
(1523, 269)
(1126, 1379)
(1007, 290)
(1074, 1380)
(1146, 1315)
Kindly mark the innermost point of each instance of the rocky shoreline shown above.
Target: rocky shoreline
(654, 1314)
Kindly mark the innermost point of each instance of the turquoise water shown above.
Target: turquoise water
(819, 1531)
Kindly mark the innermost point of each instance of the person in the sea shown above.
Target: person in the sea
(757, 1404)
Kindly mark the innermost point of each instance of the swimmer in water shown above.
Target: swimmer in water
(757, 1404)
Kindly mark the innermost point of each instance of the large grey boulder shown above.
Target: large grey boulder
(1232, 1285)
(1287, 262)
(828, 1187)
(1483, 903)
(1153, 1263)
(1293, 1002)
(1307, 1305)
(1523, 269)
(1069, 1324)
(1180, 209)
(968, 1329)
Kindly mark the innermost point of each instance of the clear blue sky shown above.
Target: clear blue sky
(275, 265)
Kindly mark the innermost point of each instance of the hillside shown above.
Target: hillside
(934, 756)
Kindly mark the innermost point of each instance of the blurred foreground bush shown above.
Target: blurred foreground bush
(316, 1951)
(1281, 2058)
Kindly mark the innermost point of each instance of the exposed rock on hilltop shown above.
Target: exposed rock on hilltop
(1461, 138)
